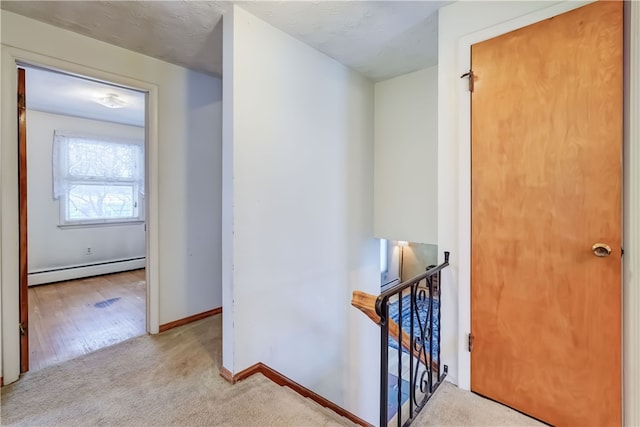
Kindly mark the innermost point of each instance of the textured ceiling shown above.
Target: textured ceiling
(380, 39)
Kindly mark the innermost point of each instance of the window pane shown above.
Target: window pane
(92, 202)
(97, 159)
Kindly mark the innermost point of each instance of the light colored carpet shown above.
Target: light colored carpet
(168, 379)
(451, 406)
(173, 379)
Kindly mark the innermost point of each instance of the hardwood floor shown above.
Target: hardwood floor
(72, 318)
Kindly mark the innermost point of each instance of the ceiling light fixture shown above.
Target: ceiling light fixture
(111, 101)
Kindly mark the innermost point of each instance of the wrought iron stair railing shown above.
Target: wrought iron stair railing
(410, 365)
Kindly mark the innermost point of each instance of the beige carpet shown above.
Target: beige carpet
(167, 379)
(451, 406)
(172, 379)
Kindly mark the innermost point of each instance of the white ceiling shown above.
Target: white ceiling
(380, 39)
(53, 92)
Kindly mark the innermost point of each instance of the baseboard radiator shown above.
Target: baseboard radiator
(87, 270)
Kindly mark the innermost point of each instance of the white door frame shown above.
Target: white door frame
(9, 279)
(631, 232)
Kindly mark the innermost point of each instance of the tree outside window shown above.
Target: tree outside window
(98, 179)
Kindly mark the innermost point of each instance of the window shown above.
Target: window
(98, 180)
(384, 261)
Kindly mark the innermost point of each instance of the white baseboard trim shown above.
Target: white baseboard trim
(40, 278)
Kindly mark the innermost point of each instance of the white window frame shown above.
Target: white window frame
(64, 182)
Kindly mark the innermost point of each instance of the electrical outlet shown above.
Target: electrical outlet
(88, 252)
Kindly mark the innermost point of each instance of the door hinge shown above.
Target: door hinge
(471, 77)
(621, 251)
(470, 343)
(21, 102)
(23, 329)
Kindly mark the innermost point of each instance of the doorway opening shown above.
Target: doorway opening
(85, 212)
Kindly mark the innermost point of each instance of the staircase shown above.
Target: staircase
(410, 366)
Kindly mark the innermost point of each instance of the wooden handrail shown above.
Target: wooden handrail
(367, 304)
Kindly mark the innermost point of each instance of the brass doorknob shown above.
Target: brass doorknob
(601, 249)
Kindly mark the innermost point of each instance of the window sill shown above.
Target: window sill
(100, 224)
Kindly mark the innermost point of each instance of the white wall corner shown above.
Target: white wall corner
(228, 342)
(298, 197)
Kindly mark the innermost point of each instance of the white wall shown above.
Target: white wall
(406, 154)
(51, 247)
(416, 258)
(299, 133)
(190, 206)
(184, 254)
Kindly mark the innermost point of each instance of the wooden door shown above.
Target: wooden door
(22, 203)
(546, 186)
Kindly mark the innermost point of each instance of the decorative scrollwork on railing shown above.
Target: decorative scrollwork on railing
(422, 313)
(412, 311)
